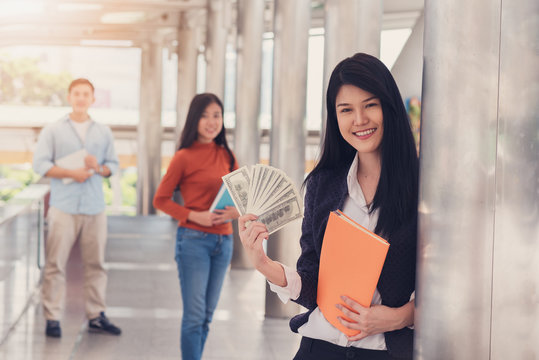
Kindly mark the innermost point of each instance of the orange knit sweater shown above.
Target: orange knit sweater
(197, 170)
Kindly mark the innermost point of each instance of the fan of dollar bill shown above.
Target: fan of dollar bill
(267, 192)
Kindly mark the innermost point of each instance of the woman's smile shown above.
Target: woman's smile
(364, 134)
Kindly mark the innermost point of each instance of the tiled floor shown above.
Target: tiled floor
(144, 300)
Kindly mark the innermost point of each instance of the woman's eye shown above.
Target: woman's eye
(344, 110)
(371, 105)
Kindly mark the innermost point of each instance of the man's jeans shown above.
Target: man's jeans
(203, 260)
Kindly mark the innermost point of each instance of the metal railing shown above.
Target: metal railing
(22, 232)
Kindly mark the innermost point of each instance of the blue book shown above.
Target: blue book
(222, 199)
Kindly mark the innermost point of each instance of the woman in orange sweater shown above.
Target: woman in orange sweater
(204, 239)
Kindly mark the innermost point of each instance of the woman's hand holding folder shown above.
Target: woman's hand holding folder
(203, 218)
(375, 319)
(221, 216)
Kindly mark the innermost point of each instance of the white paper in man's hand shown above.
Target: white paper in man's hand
(72, 161)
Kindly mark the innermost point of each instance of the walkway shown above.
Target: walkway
(144, 300)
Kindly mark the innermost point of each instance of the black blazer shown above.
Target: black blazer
(327, 191)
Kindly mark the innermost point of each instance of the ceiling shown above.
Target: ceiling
(133, 22)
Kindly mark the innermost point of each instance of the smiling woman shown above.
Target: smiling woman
(368, 168)
(204, 238)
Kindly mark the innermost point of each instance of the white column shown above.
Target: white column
(149, 129)
(351, 26)
(249, 65)
(515, 289)
(478, 258)
(187, 70)
(288, 134)
(216, 41)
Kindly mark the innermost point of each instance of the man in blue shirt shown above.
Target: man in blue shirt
(76, 153)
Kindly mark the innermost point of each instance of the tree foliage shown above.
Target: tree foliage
(14, 178)
(22, 82)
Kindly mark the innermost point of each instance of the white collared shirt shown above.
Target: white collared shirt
(317, 327)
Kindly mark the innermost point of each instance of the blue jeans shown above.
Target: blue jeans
(203, 260)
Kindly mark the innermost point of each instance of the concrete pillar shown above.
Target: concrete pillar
(408, 68)
(351, 26)
(288, 134)
(515, 289)
(478, 254)
(149, 129)
(249, 65)
(216, 41)
(187, 71)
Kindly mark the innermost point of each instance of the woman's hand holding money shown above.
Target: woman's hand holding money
(252, 234)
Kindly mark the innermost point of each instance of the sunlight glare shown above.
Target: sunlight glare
(21, 7)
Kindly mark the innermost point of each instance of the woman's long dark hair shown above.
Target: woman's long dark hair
(190, 131)
(396, 195)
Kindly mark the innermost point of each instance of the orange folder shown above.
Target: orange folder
(350, 264)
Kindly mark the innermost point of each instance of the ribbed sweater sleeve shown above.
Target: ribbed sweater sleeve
(163, 196)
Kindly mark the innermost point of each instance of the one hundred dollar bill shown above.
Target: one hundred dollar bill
(267, 192)
(237, 183)
(281, 214)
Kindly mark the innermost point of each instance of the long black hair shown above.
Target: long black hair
(190, 131)
(397, 191)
